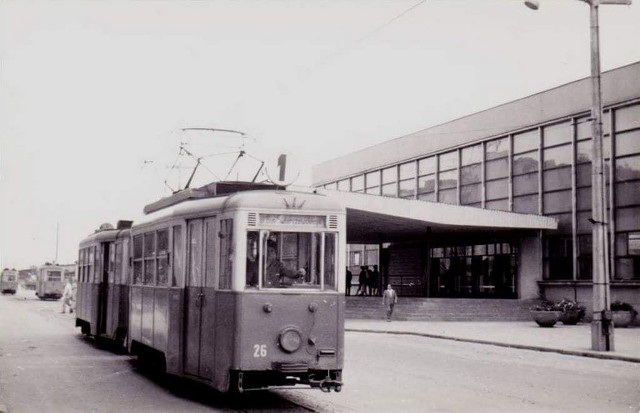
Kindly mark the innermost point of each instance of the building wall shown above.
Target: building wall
(528, 156)
(529, 267)
(618, 85)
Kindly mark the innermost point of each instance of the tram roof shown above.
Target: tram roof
(374, 218)
(263, 199)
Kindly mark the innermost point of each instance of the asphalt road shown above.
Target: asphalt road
(47, 366)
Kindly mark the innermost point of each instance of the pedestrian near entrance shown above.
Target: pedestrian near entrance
(349, 277)
(362, 281)
(374, 281)
(389, 299)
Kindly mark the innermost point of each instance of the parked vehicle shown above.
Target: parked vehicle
(49, 282)
(8, 281)
(237, 285)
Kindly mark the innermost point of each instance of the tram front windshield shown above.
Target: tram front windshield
(304, 260)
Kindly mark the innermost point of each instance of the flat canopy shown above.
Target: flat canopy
(374, 218)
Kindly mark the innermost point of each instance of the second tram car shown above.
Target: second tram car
(49, 282)
(8, 281)
(102, 297)
(239, 286)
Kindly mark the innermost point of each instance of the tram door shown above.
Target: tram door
(199, 344)
(103, 288)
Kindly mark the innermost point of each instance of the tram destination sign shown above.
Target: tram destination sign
(315, 221)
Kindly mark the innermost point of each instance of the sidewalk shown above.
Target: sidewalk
(573, 340)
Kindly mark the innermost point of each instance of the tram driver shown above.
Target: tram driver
(276, 272)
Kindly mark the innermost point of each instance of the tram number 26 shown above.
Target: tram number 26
(259, 350)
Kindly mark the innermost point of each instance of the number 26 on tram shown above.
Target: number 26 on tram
(242, 291)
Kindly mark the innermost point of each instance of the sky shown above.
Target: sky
(95, 95)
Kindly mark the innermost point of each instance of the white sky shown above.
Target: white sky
(90, 90)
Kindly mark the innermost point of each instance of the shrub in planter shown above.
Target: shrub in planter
(572, 312)
(545, 314)
(623, 313)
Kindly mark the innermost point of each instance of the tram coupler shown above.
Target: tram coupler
(327, 384)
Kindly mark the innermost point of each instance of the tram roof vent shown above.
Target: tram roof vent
(333, 222)
(105, 227)
(124, 224)
(252, 219)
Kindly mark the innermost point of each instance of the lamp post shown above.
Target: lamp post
(601, 326)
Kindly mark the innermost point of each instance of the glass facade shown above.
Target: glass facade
(542, 170)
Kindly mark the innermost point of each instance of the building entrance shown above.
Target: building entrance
(479, 270)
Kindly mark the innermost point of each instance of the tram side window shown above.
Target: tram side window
(126, 264)
(137, 259)
(178, 257)
(92, 253)
(112, 262)
(330, 261)
(149, 247)
(162, 261)
(118, 263)
(226, 253)
(252, 258)
(80, 263)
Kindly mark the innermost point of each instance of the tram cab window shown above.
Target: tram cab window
(291, 259)
(54, 276)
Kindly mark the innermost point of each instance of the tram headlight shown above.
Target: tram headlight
(290, 339)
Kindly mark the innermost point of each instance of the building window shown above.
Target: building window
(627, 118)
(357, 183)
(390, 181)
(558, 258)
(557, 134)
(343, 185)
(407, 183)
(628, 256)
(372, 183)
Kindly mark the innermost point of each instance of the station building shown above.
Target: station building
(497, 204)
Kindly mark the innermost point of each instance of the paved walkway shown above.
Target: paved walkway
(574, 340)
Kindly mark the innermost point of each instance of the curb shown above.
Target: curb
(602, 356)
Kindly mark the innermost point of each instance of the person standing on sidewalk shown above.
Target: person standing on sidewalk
(389, 299)
(66, 297)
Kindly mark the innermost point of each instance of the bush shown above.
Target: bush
(567, 305)
(545, 306)
(622, 306)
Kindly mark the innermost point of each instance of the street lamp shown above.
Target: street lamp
(601, 326)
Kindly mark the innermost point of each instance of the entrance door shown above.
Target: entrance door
(193, 299)
(199, 304)
(103, 288)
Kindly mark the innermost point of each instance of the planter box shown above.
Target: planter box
(622, 318)
(546, 318)
(570, 318)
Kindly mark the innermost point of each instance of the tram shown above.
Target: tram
(8, 281)
(239, 286)
(49, 282)
(102, 297)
